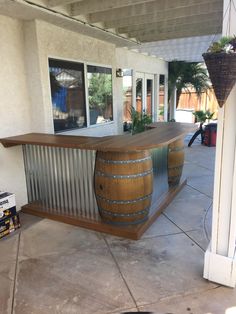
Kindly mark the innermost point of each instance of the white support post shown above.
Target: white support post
(156, 98)
(166, 99)
(173, 105)
(220, 258)
(134, 89)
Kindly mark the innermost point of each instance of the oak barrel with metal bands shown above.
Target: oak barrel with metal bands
(175, 162)
(123, 186)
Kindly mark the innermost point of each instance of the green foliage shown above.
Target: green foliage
(225, 44)
(184, 75)
(161, 111)
(202, 116)
(100, 90)
(139, 121)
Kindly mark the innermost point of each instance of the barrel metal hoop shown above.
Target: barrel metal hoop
(124, 202)
(121, 176)
(115, 214)
(121, 162)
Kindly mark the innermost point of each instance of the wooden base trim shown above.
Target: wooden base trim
(133, 232)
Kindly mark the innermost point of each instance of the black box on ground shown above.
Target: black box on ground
(9, 224)
(9, 218)
(7, 213)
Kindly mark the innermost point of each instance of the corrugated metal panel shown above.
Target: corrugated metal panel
(61, 179)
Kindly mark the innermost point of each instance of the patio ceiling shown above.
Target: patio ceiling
(170, 29)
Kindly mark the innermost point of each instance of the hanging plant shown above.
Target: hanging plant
(220, 60)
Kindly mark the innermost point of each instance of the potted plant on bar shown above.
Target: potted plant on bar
(140, 121)
(220, 60)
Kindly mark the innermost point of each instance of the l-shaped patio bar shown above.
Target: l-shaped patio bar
(114, 184)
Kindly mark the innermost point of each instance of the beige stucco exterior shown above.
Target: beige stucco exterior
(14, 105)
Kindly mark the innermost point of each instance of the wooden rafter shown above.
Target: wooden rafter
(151, 7)
(197, 11)
(94, 6)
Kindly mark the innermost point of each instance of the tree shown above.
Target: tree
(184, 75)
(100, 90)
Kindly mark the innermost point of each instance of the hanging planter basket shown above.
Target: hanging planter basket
(222, 71)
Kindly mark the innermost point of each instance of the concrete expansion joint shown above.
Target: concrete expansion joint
(204, 222)
(15, 274)
(198, 190)
(184, 232)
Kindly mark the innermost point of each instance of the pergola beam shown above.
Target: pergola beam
(56, 3)
(93, 6)
(154, 6)
(159, 16)
(178, 34)
(134, 30)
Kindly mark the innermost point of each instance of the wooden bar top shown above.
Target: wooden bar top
(160, 134)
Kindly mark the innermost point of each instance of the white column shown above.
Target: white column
(166, 99)
(156, 97)
(220, 258)
(173, 105)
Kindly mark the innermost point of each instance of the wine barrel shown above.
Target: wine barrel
(175, 162)
(123, 186)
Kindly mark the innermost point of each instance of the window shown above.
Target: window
(127, 95)
(68, 95)
(161, 97)
(99, 94)
(149, 78)
(139, 94)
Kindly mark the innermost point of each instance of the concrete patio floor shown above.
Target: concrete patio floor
(50, 267)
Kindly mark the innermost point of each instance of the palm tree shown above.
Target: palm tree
(184, 75)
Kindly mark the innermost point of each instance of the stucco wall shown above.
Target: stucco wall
(14, 106)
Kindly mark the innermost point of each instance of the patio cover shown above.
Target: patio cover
(168, 29)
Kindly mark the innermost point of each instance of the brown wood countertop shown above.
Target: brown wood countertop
(160, 134)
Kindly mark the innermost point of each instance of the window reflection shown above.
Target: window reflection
(127, 95)
(67, 94)
(139, 95)
(99, 94)
(149, 96)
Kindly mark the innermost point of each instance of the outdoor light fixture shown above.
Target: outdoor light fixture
(119, 73)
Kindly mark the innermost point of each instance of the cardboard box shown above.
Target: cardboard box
(7, 200)
(9, 224)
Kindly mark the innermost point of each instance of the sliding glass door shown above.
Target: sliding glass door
(140, 92)
(145, 93)
(149, 94)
